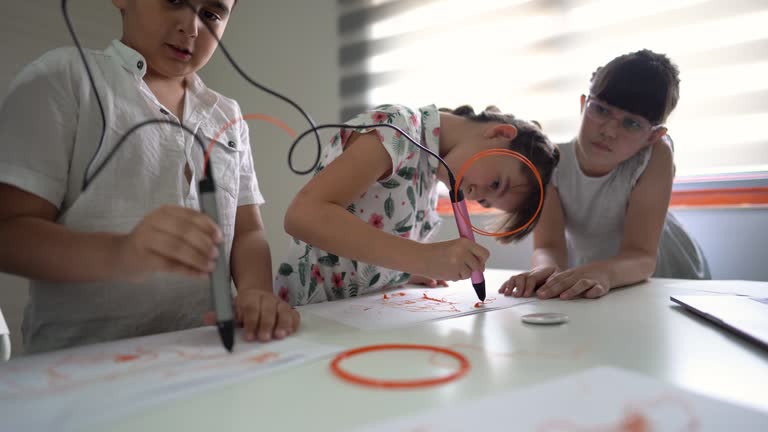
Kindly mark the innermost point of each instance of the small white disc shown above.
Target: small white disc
(545, 318)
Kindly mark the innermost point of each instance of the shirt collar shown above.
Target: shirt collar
(128, 58)
(132, 61)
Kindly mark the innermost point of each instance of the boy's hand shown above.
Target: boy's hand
(170, 239)
(428, 282)
(578, 282)
(525, 284)
(265, 316)
(454, 260)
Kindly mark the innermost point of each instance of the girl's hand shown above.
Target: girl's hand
(525, 284)
(454, 260)
(171, 239)
(578, 282)
(428, 282)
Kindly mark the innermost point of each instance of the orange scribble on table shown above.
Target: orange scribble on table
(386, 297)
(125, 358)
(399, 294)
(637, 418)
(426, 297)
(264, 357)
(479, 304)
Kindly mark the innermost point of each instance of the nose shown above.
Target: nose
(609, 129)
(189, 22)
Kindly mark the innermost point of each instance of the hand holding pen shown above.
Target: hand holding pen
(454, 259)
(171, 239)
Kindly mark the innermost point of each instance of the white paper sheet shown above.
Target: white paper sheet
(597, 400)
(410, 305)
(735, 287)
(72, 388)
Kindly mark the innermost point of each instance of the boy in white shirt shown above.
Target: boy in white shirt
(130, 255)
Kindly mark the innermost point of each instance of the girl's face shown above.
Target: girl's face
(496, 182)
(171, 34)
(608, 135)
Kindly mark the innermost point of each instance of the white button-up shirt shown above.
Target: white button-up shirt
(49, 130)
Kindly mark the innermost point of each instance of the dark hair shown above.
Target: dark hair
(643, 82)
(534, 145)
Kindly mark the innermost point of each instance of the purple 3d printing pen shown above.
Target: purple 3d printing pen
(461, 215)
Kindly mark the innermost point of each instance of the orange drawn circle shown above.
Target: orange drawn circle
(501, 152)
(399, 384)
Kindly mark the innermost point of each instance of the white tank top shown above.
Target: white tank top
(594, 210)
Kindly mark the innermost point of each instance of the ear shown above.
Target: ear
(505, 131)
(582, 102)
(657, 134)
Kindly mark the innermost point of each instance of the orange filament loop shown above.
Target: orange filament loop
(399, 384)
(501, 152)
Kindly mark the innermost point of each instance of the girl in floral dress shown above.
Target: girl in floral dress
(364, 221)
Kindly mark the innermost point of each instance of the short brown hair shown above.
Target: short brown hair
(643, 82)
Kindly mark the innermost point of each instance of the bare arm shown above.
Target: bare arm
(36, 247)
(251, 259)
(646, 212)
(170, 239)
(549, 247)
(324, 201)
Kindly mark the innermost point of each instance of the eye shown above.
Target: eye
(210, 15)
(495, 185)
(632, 125)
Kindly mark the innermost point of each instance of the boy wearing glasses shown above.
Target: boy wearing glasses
(605, 223)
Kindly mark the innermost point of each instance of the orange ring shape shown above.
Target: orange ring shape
(398, 384)
(501, 152)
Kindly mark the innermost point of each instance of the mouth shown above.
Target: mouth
(180, 52)
(601, 146)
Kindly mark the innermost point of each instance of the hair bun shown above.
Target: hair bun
(464, 110)
(555, 155)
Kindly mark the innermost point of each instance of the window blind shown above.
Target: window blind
(534, 59)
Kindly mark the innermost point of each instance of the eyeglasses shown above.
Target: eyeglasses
(631, 125)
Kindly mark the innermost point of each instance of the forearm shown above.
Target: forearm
(43, 250)
(549, 257)
(360, 241)
(251, 262)
(626, 268)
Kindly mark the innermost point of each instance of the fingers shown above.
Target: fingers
(555, 286)
(596, 291)
(530, 286)
(287, 320)
(267, 318)
(177, 255)
(251, 310)
(192, 227)
(577, 289)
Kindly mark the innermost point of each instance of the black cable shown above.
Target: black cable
(313, 129)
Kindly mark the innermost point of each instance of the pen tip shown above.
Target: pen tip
(480, 290)
(227, 333)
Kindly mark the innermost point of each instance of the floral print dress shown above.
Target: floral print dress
(403, 204)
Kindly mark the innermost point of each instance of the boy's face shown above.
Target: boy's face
(609, 135)
(172, 34)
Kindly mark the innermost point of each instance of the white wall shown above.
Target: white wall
(288, 45)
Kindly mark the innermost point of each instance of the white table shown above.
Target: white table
(635, 328)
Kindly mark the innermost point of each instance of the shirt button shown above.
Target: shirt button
(232, 144)
(140, 64)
